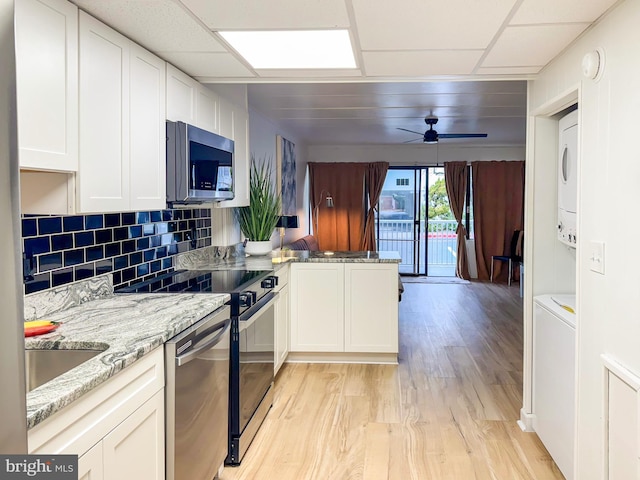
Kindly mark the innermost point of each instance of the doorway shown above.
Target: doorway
(414, 219)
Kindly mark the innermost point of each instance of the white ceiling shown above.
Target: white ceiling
(414, 58)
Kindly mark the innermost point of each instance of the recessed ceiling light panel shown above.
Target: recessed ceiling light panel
(293, 49)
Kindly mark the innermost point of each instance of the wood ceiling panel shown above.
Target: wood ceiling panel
(419, 24)
(368, 101)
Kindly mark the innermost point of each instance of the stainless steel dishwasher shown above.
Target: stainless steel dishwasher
(197, 398)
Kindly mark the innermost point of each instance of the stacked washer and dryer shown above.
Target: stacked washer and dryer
(554, 323)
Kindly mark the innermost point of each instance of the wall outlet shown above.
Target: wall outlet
(596, 258)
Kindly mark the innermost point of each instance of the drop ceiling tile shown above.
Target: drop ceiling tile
(421, 63)
(420, 24)
(158, 25)
(531, 45)
(565, 11)
(529, 70)
(258, 14)
(200, 64)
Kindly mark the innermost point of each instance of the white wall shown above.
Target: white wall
(407, 155)
(262, 144)
(608, 305)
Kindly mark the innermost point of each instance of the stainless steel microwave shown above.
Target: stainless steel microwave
(199, 165)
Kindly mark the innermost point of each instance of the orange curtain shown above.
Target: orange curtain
(376, 174)
(339, 228)
(456, 176)
(498, 210)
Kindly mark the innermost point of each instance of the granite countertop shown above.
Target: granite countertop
(127, 326)
(203, 260)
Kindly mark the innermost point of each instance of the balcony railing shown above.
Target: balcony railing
(440, 240)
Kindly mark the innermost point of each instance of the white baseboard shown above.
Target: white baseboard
(342, 357)
(526, 421)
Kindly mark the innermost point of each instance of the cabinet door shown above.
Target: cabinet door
(371, 308)
(181, 96)
(90, 465)
(47, 84)
(207, 109)
(135, 448)
(226, 118)
(148, 132)
(240, 138)
(282, 328)
(317, 304)
(103, 174)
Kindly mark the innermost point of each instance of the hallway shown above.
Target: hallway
(447, 411)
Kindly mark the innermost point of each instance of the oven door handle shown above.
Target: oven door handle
(198, 349)
(248, 317)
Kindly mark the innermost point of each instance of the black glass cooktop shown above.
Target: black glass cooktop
(204, 281)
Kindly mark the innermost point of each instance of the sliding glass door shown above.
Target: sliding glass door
(414, 219)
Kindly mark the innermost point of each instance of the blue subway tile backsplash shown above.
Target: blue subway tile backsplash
(133, 246)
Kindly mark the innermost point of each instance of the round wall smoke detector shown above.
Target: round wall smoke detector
(593, 64)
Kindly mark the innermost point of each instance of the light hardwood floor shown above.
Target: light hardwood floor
(447, 411)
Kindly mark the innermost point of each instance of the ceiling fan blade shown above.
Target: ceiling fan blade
(462, 135)
(414, 140)
(411, 131)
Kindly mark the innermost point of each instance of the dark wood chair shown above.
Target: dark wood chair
(513, 257)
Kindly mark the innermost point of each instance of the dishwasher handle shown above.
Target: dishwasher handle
(198, 349)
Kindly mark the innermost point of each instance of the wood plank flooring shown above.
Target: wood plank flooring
(447, 411)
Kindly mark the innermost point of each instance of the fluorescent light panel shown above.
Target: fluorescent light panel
(293, 49)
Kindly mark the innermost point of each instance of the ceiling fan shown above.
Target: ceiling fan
(432, 136)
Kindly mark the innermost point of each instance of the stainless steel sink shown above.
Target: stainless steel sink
(44, 365)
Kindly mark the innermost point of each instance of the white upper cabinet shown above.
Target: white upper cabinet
(103, 176)
(181, 96)
(207, 109)
(122, 116)
(234, 124)
(190, 102)
(47, 84)
(148, 134)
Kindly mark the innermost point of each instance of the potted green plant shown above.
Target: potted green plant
(258, 220)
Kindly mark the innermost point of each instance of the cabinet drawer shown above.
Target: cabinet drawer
(83, 423)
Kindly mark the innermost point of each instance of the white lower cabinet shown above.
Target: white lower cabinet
(90, 465)
(371, 307)
(345, 308)
(317, 307)
(282, 318)
(117, 429)
(134, 449)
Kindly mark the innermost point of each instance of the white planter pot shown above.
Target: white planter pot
(257, 248)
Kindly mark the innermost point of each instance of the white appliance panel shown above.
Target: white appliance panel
(568, 178)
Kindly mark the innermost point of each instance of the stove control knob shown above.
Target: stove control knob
(247, 299)
(269, 282)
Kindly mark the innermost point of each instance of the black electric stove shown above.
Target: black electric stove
(252, 341)
(246, 287)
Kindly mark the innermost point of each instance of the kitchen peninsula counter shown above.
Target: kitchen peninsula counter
(126, 326)
(342, 306)
(204, 260)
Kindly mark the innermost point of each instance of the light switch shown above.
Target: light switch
(596, 258)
